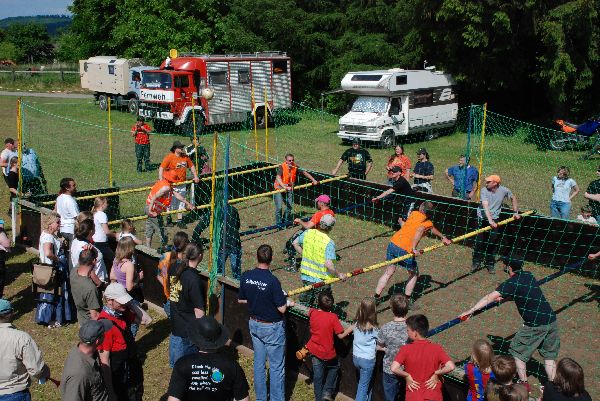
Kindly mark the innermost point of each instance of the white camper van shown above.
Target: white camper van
(398, 102)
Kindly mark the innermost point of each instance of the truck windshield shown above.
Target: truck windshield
(370, 104)
(157, 80)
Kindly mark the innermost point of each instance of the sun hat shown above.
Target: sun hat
(323, 198)
(208, 334)
(92, 330)
(177, 145)
(117, 292)
(355, 140)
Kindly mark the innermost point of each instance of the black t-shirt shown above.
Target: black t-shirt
(402, 187)
(207, 376)
(531, 302)
(594, 188)
(186, 295)
(552, 394)
(12, 179)
(357, 160)
(263, 292)
(423, 168)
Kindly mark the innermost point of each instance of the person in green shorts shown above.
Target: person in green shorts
(539, 330)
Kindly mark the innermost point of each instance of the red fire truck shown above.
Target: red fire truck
(166, 94)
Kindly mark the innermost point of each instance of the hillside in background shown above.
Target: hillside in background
(55, 24)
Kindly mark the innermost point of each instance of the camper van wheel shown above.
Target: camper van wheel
(133, 106)
(387, 140)
(103, 102)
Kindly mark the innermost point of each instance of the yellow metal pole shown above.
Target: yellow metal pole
(195, 136)
(481, 150)
(212, 217)
(255, 132)
(396, 260)
(20, 153)
(110, 160)
(266, 128)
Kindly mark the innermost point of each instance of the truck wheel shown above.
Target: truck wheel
(431, 134)
(387, 140)
(187, 128)
(103, 102)
(133, 106)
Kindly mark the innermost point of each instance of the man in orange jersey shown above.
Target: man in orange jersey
(174, 167)
(405, 242)
(158, 201)
(286, 179)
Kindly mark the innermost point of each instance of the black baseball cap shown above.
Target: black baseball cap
(396, 169)
(422, 151)
(356, 140)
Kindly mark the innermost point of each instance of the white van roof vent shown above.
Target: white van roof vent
(430, 68)
(397, 69)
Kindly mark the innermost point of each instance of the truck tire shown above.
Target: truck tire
(103, 102)
(387, 140)
(133, 106)
(431, 134)
(187, 127)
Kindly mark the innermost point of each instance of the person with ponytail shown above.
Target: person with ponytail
(101, 230)
(187, 295)
(175, 255)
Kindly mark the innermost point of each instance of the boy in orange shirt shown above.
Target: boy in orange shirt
(404, 242)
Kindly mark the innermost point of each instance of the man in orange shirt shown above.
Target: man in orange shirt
(140, 132)
(286, 179)
(174, 168)
(405, 242)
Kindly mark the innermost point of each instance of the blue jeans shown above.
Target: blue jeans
(393, 251)
(364, 388)
(560, 209)
(324, 376)
(167, 308)
(235, 258)
(391, 386)
(18, 396)
(178, 347)
(280, 199)
(268, 341)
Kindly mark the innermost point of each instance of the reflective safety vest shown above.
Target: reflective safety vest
(160, 204)
(313, 254)
(288, 175)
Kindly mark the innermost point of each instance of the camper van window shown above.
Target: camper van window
(182, 81)
(280, 66)
(217, 77)
(370, 104)
(156, 80)
(85, 65)
(423, 98)
(111, 69)
(371, 78)
(401, 80)
(243, 77)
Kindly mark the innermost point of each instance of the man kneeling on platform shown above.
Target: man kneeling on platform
(318, 254)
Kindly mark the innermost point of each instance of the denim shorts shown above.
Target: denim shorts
(394, 251)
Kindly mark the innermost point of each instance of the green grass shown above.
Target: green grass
(39, 82)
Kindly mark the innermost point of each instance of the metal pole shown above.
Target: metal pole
(463, 190)
(110, 161)
(225, 213)
(212, 218)
(481, 149)
(195, 136)
(255, 132)
(266, 128)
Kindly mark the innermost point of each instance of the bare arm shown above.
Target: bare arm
(593, 197)
(195, 174)
(129, 275)
(418, 235)
(441, 236)
(369, 167)
(160, 172)
(182, 199)
(310, 177)
(280, 182)
(449, 177)
(49, 252)
(108, 231)
(94, 314)
(432, 382)
(346, 332)
(515, 206)
(305, 224)
(575, 191)
(141, 315)
(297, 246)
(383, 195)
(488, 214)
(489, 298)
(242, 301)
(337, 167)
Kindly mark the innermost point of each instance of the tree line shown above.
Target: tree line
(533, 58)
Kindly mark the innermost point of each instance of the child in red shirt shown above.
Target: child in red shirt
(424, 362)
(323, 326)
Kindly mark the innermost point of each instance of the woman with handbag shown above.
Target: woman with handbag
(55, 306)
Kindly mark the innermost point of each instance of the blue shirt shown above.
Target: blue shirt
(458, 174)
(329, 255)
(364, 344)
(263, 292)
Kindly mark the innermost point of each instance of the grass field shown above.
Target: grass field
(68, 147)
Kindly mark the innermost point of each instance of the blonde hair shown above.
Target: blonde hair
(482, 355)
(85, 215)
(48, 219)
(366, 315)
(98, 203)
(125, 249)
(127, 226)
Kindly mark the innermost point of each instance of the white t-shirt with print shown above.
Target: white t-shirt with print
(562, 189)
(99, 234)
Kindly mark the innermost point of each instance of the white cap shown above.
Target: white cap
(327, 221)
(117, 292)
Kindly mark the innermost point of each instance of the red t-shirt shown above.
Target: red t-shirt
(113, 338)
(323, 326)
(316, 218)
(141, 134)
(420, 359)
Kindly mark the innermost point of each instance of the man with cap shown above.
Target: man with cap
(82, 377)
(402, 187)
(488, 214)
(464, 179)
(539, 329)
(174, 168)
(207, 374)
(158, 201)
(141, 135)
(318, 254)
(423, 172)
(20, 359)
(118, 352)
(359, 161)
(267, 304)
(286, 179)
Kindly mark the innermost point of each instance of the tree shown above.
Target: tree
(8, 51)
(32, 40)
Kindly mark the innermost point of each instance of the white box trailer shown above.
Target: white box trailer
(397, 102)
(117, 78)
